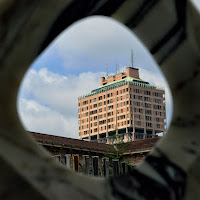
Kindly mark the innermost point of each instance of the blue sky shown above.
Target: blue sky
(86, 49)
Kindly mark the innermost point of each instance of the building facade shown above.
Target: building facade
(123, 108)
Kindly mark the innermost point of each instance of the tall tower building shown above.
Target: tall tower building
(124, 107)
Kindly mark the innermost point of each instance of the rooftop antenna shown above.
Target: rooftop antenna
(116, 69)
(131, 58)
(106, 70)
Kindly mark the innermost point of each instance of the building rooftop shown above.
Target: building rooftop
(118, 83)
(135, 146)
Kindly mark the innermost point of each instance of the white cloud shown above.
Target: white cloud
(99, 39)
(48, 101)
(57, 91)
(38, 118)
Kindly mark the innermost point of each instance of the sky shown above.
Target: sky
(72, 66)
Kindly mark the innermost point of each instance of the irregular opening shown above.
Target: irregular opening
(55, 95)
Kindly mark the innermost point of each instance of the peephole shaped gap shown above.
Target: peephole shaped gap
(68, 73)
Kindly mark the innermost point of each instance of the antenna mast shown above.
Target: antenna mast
(107, 70)
(131, 58)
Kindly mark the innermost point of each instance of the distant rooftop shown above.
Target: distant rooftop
(64, 142)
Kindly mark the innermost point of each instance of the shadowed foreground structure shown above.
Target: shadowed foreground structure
(171, 31)
(133, 152)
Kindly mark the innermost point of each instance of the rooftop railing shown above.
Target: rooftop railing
(119, 84)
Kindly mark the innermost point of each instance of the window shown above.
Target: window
(147, 92)
(95, 99)
(117, 92)
(138, 103)
(121, 97)
(139, 97)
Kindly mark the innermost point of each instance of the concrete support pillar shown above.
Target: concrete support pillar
(115, 167)
(133, 135)
(68, 160)
(153, 133)
(58, 158)
(145, 133)
(95, 165)
(105, 166)
(87, 165)
(124, 167)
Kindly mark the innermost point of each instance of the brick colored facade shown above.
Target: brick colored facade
(124, 106)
